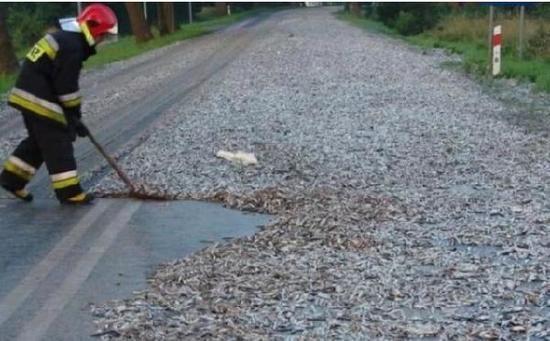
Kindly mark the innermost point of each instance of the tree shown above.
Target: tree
(355, 8)
(8, 61)
(221, 8)
(28, 22)
(140, 29)
(167, 23)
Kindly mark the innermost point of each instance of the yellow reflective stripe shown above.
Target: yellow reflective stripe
(37, 108)
(65, 183)
(44, 44)
(86, 31)
(32, 98)
(12, 168)
(70, 97)
(64, 175)
(53, 43)
(21, 193)
(72, 103)
(22, 164)
(78, 197)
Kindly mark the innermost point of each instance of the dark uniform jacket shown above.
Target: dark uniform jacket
(48, 83)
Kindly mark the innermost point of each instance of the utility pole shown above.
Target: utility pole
(190, 10)
(79, 7)
(490, 44)
(145, 10)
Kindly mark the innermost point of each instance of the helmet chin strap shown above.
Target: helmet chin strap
(70, 25)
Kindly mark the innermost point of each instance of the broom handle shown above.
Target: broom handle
(112, 162)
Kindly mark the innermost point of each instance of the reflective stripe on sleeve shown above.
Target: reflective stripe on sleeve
(53, 43)
(70, 97)
(71, 100)
(37, 105)
(45, 44)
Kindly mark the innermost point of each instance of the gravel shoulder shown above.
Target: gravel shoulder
(406, 206)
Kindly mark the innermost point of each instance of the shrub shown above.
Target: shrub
(369, 9)
(26, 27)
(460, 28)
(388, 13)
(407, 24)
(539, 44)
(541, 10)
(27, 22)
(410, 18)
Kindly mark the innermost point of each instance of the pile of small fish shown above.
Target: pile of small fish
(337, 264)
(405, 204)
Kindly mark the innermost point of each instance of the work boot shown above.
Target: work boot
(81, 199)
(22, 194)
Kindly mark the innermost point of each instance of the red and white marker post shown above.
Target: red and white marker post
(497, 43)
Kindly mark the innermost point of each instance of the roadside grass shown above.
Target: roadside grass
(468, 38)
(126, 47)
(473, 29)
(367, 24)
(6, 82)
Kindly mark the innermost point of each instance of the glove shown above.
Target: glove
(80, 129)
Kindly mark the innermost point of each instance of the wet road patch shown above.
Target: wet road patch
(56, 260)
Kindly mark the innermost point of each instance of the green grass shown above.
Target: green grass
(369, 25)
(126, 47)
(474, 53)
(475, 60)
(6, 82)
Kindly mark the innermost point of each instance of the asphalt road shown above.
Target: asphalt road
(55, 260)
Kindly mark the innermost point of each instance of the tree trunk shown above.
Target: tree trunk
(140, 29)
(221, 8)
(167, 22)
(355, 8)
(8, 61)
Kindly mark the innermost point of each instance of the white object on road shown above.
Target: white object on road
(497, 43)
(240, 157)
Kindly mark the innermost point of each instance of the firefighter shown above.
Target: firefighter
(47, 94)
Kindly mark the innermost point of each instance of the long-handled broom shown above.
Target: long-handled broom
(135, 192)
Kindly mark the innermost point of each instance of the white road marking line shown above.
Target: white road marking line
(39, 325)
(12, 301)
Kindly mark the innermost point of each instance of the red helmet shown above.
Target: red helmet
(99, 19)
